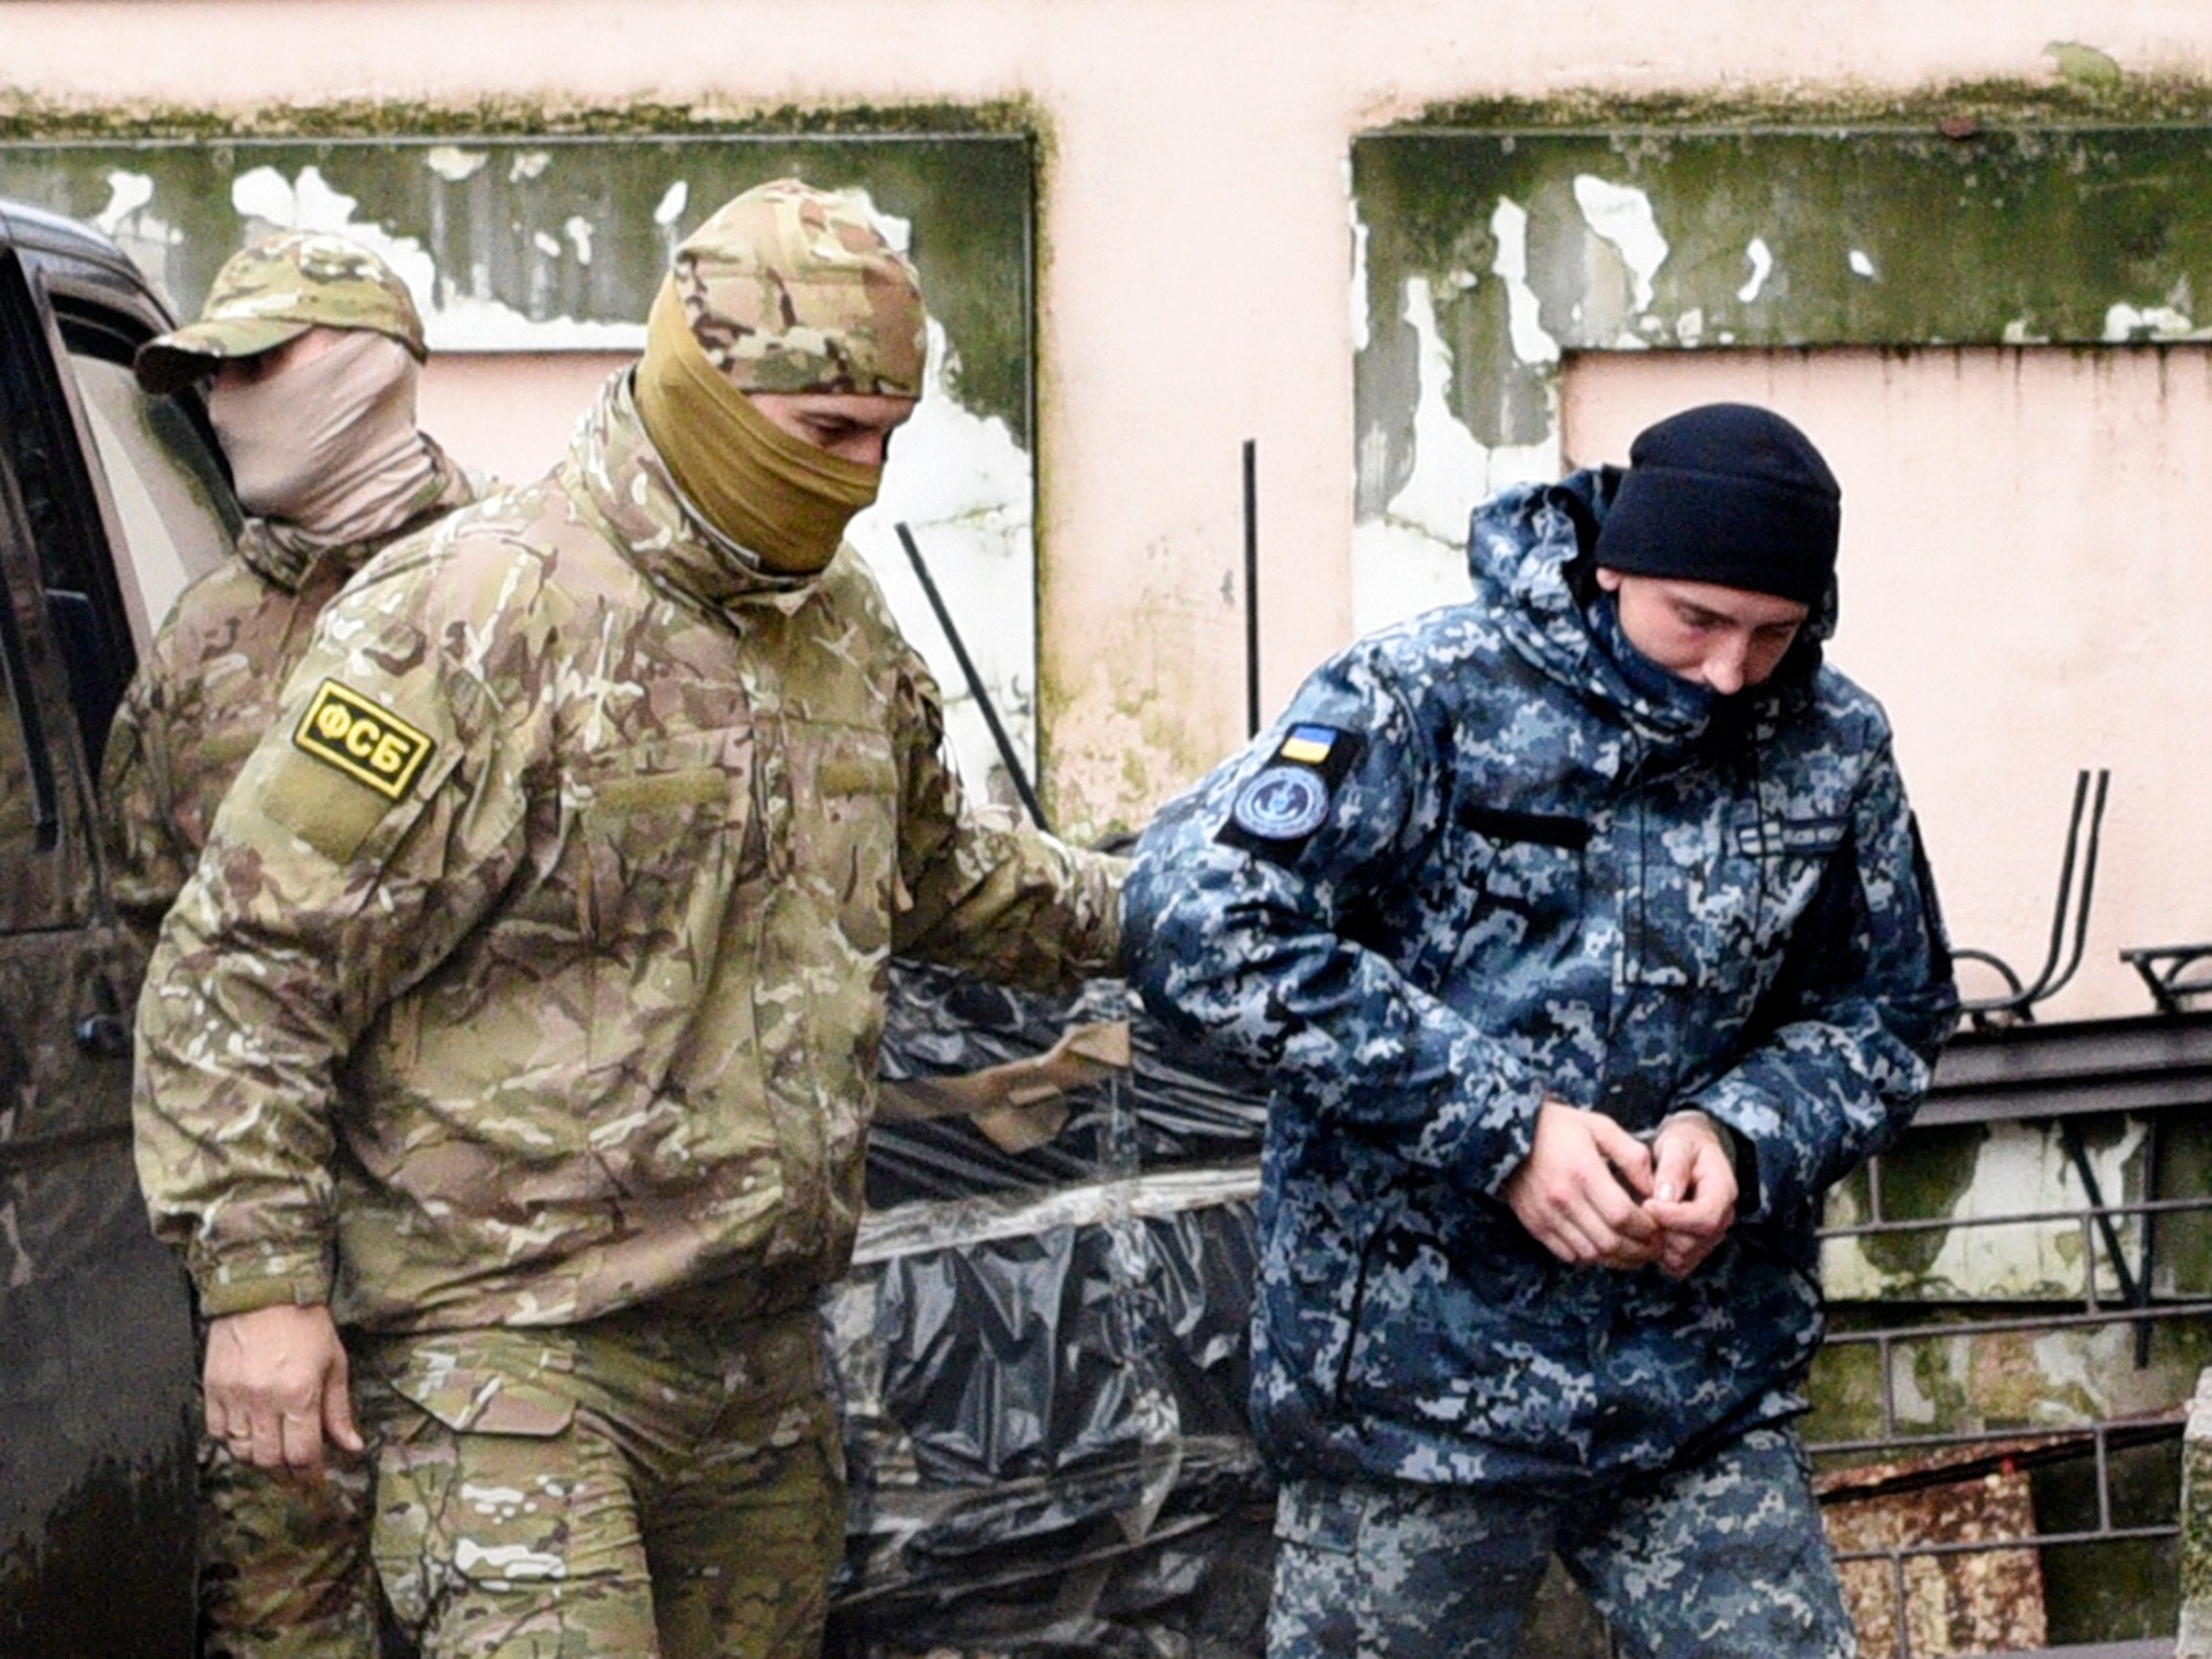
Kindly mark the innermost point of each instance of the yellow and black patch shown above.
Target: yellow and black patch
(367, 742)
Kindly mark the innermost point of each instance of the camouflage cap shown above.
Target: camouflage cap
(275, 291)
(789, 288)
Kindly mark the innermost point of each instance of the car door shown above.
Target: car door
(98, 1415)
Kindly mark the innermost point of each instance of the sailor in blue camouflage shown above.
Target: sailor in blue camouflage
(1585, 937)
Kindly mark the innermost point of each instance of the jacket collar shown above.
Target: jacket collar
(1527, 558)
(284, 554)
(616, 469)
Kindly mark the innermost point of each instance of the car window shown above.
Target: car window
(171, 504)
(37, 880)
(24, 894)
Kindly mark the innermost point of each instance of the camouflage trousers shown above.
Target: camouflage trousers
(283, 1565)
(650, 1487)
(1723, 1559)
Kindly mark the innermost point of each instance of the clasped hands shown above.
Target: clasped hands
(1593, 1195)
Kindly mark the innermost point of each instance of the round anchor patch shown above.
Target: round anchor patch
(1282, 803)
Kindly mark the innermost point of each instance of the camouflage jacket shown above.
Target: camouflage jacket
(535, 968)
(1480, 859)
(208, 689)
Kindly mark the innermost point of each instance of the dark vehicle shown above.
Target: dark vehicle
(109, 501)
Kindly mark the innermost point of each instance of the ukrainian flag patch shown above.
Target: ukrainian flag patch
(1278, 809)
(362, 739)
(1310, 745)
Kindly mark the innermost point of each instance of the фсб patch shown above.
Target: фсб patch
(1277, 808)
(361, 739)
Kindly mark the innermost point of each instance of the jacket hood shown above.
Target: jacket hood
(1530, 558)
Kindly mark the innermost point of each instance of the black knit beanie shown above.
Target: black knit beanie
(1727, 493)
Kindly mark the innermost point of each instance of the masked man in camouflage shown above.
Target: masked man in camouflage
(521, 1019)
(310, 348)
(1585, 934)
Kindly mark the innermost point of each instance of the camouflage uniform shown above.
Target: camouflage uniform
(275, 291)
(285, 1568)
(210, 689)
(526, 1007)
(1489, 855)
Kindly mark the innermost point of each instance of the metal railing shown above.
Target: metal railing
(1902, 1458)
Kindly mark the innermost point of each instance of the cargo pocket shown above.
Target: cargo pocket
(479, 1475)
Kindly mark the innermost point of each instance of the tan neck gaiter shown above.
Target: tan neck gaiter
(330, 447)
(783, 500)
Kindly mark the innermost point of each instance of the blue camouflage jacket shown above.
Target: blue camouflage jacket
(1487, 853)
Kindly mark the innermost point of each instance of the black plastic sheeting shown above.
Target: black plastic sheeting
(1044, 1357)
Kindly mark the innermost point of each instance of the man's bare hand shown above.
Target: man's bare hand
(1693, 1190)
(1581, 1192)
(277, 1387)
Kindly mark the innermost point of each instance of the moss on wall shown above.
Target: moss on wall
(2066, 211)
(27, 115)
(505, 229)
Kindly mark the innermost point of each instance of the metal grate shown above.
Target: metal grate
(1910, 1460)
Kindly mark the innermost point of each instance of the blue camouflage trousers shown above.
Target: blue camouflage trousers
(1722, 1558)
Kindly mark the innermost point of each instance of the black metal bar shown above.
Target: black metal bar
(2031, 1541)
(1006, 753)
(2129, 1431)
(2154, 1158)
(1251, 587)
(2166, 972)
(2020, 1000)
(2010, 1218)
(2088, 884)
(2133, 1290)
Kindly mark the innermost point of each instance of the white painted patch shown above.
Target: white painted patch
(2018, 333)
(126, 194)
(964, 488)
(143, 234)
(1762, 259)
(1861, 265)
(671, 204)
(1414, 557)
(1622, 215)
(2019, 1169)
(578, 230)
(2124, 323)
(1524, 324)
(1359, 334)
(308, 203)
(1690, 327)
(466, 323)
(453, 164)
(527, 165)
(506, 1561)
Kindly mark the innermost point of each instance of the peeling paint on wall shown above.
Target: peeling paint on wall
(529, 244)
(2006, 1169)
(1587, 239)
(1414, 555)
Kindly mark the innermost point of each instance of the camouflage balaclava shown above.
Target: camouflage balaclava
(275, 291)
(786, 289)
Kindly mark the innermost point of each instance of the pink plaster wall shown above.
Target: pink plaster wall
(2024, 584)
(1196, 250)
